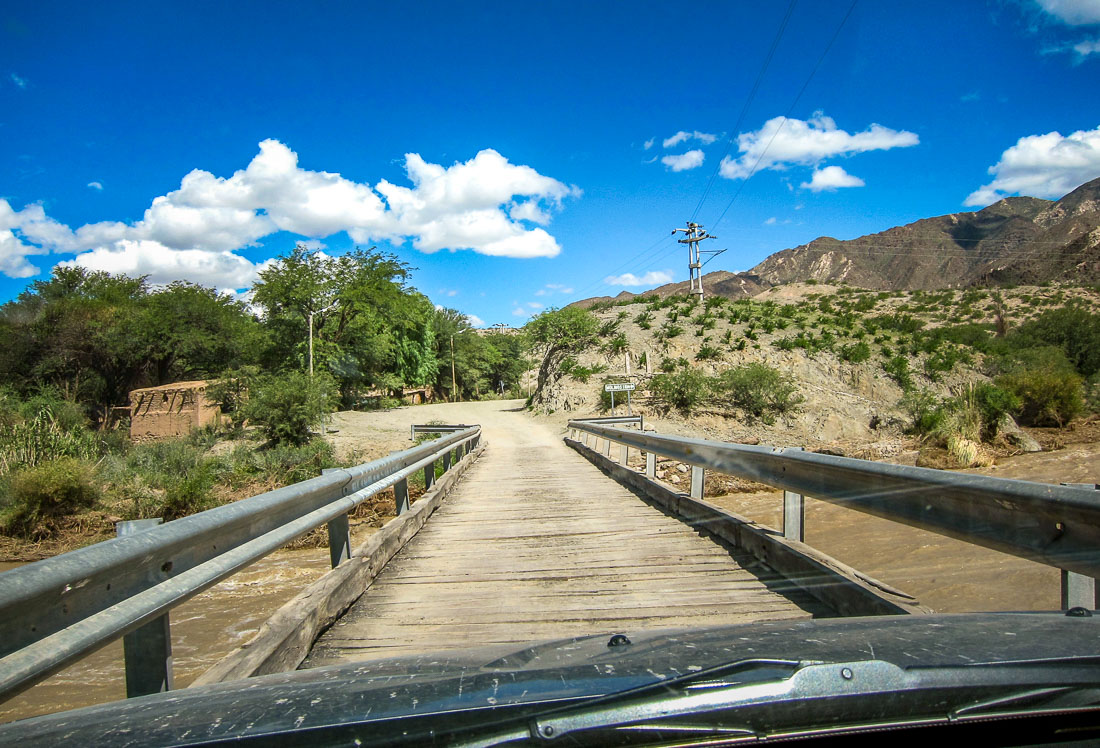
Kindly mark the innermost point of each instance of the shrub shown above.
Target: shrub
(41, 439)
(683, 390)
(616, 345)
(897, 368)
(707, 353)
(644, 320)
(189, 494)
(672, 364)
(1047, 397)
(669, 330)
(856, 352)
(287, 406)
(50, 489)
(759, 390)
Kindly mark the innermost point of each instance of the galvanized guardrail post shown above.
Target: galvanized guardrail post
(339, 533)
(651, 464)
(429, 475)
(147, 650)
(401, 496)
(446, 461)
(624, 455)
(794, 514)
(696, 482)
(1079, 590)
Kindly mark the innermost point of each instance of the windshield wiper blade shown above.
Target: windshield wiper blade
(849, 692)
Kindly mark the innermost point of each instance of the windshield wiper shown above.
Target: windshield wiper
(758, 697)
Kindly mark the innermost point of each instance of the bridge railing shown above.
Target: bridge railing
(1054, 525)
(55, 611)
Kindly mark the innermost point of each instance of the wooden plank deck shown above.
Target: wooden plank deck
(536, 543)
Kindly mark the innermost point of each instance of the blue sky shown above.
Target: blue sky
(501, 149)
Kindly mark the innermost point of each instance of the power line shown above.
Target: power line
(790, 109)
(748, 102)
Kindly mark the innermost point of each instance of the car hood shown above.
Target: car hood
(486, 680)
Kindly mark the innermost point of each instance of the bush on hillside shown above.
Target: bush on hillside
(684, 390)
(1047, 397)
(758, 390)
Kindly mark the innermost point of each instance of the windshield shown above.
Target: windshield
(722, 314)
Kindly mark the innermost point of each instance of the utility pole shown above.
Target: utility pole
(693, 235)
(454, 387)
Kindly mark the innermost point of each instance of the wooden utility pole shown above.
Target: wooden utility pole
(454, 387)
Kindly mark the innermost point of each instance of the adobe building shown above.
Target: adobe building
(170, 411)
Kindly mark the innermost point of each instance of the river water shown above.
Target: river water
(204, 629)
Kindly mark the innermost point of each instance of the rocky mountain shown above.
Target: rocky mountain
(1018, 240)
(1015, 240)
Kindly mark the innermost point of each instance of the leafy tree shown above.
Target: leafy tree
(369, 329)
(555, 334)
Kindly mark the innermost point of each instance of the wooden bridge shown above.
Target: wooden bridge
(522, 536)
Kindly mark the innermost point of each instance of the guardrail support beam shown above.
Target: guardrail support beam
(794, 516)
(446, 460)
(339, 540)
(651, 464)
(401, 496)
(624, 455)
(429, 475)
(1078, 591)
(147, 650)
(696, 482)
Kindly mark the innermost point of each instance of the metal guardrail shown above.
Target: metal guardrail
(53, 612)
(1054, 525)
(429, 428)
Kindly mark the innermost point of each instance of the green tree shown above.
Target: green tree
(369, 329)
(558, 333)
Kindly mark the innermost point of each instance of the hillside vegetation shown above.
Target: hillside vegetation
(816, 364)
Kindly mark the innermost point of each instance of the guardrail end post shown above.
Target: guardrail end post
(1078, 591)
(429, 475)
(794, 516)
(339, 540)
(696, 482)
(147, 650)
(650, 465)
(401, 496)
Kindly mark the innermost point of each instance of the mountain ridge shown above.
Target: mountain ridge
(1016, 240)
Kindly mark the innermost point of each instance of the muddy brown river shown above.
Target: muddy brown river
(204, 629)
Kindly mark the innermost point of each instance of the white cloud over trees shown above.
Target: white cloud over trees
(485, 204)
(1047, 166)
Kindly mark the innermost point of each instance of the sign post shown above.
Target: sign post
(626, 387)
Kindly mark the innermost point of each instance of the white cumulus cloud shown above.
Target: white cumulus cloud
(1073, 12)
(98, 186)
(484, 204)
(475, 320)
(781, 143)
(830, 178)
(684, 161)
(683, 136)
(652, 278)
(1047, 166)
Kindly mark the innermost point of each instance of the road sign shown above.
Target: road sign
(622, 387)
